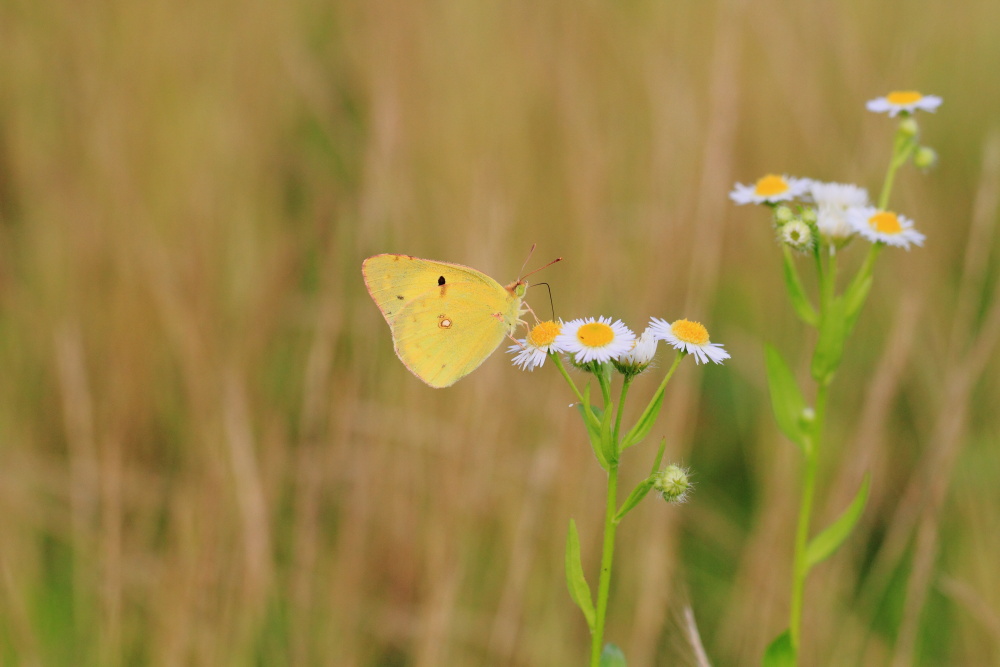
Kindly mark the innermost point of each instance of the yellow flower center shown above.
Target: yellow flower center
(690, 332)
(595, 334)
(885, 222)
(544, 333)
(903, 97)
(771, 185)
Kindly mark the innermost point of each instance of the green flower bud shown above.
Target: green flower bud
(672, 483)
(809, 215)
(925, 157)
(909, 126)
(783, 214)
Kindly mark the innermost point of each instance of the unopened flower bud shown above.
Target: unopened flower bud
(925, 157)
(783, 214)
(809, 215)
(909, 126)
(672, 483)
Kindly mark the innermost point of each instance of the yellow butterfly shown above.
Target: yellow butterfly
(445, 319)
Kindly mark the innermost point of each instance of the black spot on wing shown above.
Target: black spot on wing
(440, 280)
(400, 297)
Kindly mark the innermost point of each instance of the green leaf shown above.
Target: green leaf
(608, 445)
(786, 399)
(645, 423)
(830, 346)
(612, 656)
(823, 545)
(800, 301)
(634, 498)
(578, 588)
(780, 653)
(854, 299)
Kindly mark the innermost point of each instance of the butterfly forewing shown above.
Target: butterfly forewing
(393, 280)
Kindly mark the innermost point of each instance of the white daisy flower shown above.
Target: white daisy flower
(797, 235)
(640, 356)
(595, 340)
(885, 227)
(905, 102)
(769, 190)
(691, 337)
(535, 347)
(832, 202)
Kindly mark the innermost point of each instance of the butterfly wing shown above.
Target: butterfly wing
(446, 319)
(395, 280)
(441, 340)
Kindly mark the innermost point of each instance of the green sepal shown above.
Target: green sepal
(645, 423)
(830, 345)
(592, 419)
(796, 292)
(786, 399)
(578, 588)
(823, 545)
(612, 656)
(780, 652)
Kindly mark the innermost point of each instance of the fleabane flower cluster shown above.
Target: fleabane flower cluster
(594, 341)
(831, 215)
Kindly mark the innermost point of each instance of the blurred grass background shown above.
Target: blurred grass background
(209, 454)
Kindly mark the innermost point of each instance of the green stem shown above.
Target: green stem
(902, 149)
(562, 369)
(801, 565)
(621, 406)
(607, 556)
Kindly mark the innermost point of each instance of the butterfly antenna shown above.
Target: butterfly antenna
(557, 259)
(527, 259)
(552, 304)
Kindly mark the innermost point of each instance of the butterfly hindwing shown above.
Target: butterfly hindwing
(443, 340)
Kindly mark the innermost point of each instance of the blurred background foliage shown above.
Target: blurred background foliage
(209, 454)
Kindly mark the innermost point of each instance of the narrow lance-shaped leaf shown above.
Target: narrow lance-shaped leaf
(796, 292)
(786, 399)
(830, 345)
(578, 588)
(645, 423)
(634, 498)
(780, 653)
(823, 545)
(608, 444)
(643, 487)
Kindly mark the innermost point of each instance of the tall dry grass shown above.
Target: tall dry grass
(209, 454)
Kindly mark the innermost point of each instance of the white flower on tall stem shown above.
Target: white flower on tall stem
(691, 337)
(904, 102)
(833, 200)
(534, 348)
(885, 227)
(770, 189)
(598, 340)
